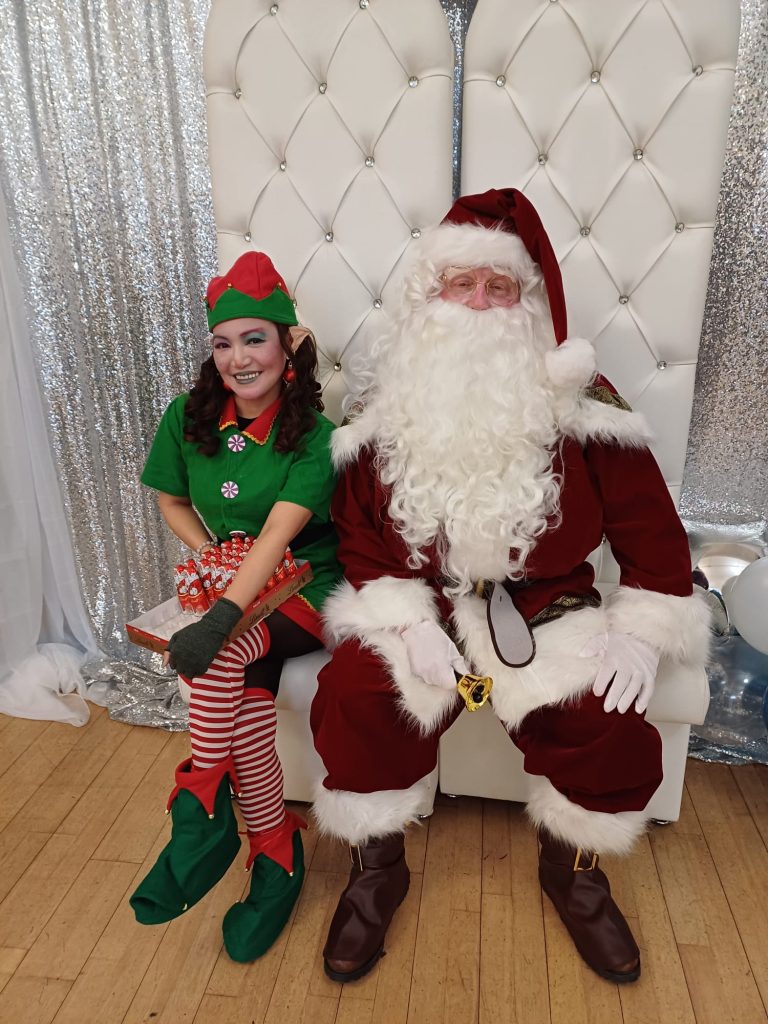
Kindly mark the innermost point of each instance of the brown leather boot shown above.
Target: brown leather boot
(378, 884)
(582, 897)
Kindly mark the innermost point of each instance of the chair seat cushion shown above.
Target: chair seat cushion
(298, 682)
(682, 694)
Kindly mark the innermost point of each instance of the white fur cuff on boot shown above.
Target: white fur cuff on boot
(358, 817)
(595, 831)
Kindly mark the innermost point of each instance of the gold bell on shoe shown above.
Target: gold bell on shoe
(475, 690)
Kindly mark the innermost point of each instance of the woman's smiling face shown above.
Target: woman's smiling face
(250, 360)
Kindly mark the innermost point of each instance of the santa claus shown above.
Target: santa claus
(485, 463)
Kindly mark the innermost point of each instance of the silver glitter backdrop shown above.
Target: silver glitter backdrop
(104, 169)
(103, 164)
(726, 471)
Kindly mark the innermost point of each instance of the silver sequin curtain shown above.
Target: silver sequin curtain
(726, 470)
(103, 165)
(103, 162)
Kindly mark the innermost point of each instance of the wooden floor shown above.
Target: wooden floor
(81, 813)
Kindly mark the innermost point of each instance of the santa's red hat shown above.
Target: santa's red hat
(511, 219)
(501, 228)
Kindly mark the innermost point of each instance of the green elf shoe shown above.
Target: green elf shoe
(203, 844)
(277, 865)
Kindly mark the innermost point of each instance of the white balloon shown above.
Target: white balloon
(727, 587)
(748, 604)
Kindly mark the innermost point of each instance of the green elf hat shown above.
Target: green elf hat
(251, 288)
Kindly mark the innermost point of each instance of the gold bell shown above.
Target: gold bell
(475, 690)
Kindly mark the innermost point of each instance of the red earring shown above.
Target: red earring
(289, 374)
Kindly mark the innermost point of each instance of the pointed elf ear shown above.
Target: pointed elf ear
(299, 334)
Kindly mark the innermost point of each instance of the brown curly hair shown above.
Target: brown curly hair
(208, 395)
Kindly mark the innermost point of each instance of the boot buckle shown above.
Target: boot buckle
(576, 864)
(359, 862)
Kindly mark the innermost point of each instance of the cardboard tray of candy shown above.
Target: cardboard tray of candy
(154, 628)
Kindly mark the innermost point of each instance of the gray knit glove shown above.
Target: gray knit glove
(193, 648)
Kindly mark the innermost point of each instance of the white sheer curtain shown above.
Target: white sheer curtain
(44, 630)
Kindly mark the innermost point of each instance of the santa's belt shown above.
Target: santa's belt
(511, 636)
(511, 632)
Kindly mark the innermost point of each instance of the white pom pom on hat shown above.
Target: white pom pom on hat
(572, 364)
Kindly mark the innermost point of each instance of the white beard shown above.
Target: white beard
(465, 432)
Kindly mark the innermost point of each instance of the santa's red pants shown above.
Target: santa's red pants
(600, 761)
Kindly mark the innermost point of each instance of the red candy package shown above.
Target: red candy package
(199, 584)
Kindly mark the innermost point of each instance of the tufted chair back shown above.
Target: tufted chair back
(612, 118)
(319, 156)
(330, 138)
(331, 148)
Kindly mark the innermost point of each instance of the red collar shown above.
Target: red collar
(258, 430)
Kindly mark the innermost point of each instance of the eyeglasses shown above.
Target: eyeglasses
(460, 284)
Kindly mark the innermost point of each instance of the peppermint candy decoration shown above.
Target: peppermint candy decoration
(236, 443)
(230, 489)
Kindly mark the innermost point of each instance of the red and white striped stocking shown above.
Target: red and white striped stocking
(257, 765)
(216, 697)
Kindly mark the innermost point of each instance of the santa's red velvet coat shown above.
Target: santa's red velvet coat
(377, 725)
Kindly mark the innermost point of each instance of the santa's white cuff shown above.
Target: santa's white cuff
(676, 627)
(596, 831)
(358, 817)
(385, 603)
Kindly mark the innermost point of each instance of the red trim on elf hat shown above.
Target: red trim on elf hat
(509, 209)
(253, 273)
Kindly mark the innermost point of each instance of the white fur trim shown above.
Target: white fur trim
(471, 245)
(585, 420)
(347, 441)
(357, 817)
(572, 364)
(424, 705)
(595, 831)
(556, 674)
(374, 614)
(571, 367)
(579, 417)
(676, 627)
(385, 603)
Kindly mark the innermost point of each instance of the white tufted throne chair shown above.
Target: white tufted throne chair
(330, 148)
(330, 137)
(612, 119)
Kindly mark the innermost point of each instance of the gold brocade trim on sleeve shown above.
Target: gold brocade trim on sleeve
(554, 610)
(561, 605)
(607, 397)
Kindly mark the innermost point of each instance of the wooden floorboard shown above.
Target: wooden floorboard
(475, 941)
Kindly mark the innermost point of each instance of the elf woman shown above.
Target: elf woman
(246, 451)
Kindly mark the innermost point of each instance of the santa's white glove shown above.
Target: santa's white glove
(433, 655)
(627, 671)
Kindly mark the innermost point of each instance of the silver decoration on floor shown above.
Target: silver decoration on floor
(103, 164)
(137, 695)
(736, 727)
